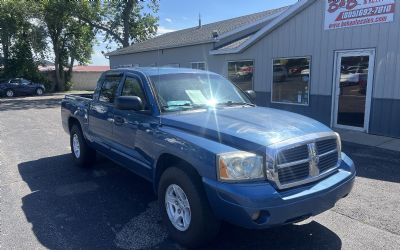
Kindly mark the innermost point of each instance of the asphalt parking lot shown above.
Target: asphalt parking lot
(47, 202)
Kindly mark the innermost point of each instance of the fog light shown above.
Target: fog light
(255, 215)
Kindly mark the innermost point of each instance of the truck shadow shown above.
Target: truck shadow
(108, 207)
(374, 163)
(22, 103)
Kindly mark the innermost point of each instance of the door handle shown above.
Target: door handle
(118, 120)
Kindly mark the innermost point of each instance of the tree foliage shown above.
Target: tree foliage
(72, 39)
(65, 31)
(123, 22)
(22, 40)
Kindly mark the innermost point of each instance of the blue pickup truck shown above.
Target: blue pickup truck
(211, 154)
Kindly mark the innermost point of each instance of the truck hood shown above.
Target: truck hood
(244, 127)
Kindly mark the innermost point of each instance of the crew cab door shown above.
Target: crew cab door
(101, 117)
(132, 130)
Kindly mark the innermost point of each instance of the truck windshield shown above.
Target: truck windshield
(186, 91)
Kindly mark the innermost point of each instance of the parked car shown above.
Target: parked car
(244, 73)
(353, 75)
(211, 154)
(21, 86)
(280, 73)
(305, 75)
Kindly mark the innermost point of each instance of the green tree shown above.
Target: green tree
(72, 40)
(22, 40)
(124, 22)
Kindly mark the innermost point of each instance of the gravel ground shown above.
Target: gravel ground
(46, 202)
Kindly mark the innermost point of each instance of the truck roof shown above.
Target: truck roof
(152, 71)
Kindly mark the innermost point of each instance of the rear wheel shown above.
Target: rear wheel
(83, 155)
(185, 209)
(9, 93)
(39, 91)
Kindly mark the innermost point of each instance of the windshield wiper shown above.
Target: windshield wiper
(232, 103)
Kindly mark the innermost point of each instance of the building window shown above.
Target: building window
(291, 80)
(241, 73)
(199, 65)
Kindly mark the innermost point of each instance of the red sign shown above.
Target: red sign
(347, 13)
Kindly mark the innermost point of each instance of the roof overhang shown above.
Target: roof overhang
(284, 17)
(223, 38)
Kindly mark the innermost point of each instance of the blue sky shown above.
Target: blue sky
(180, 14)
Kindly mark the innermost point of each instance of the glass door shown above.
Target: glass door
(353, 87)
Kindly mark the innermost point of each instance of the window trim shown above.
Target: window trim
(309, 82)
(244, 60)
(205, 65)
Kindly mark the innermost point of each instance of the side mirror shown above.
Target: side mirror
(129, 103)
(251, 94)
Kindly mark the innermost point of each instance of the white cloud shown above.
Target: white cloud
(168, 20)
(162, 30)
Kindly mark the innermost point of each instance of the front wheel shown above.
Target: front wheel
(39, 91)
(83, 155)
(185, 209)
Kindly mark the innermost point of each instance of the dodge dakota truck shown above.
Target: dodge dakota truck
(210, 153)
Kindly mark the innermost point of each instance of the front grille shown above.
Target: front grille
(294, 173)
(327, 162)
(326, 146)
(311, 159)
(293, 154)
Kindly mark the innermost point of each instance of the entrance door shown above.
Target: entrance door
(352, 89)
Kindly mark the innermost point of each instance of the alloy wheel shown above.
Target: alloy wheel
(10, 93)
(76, 147)
(178, 207)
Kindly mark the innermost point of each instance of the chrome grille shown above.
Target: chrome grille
(326, 146)
(293, 154)
(294, 173)
(327, 162)
(304, 161)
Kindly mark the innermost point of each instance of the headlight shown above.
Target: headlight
(239, 166)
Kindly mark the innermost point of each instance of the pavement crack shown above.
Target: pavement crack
(365, 223)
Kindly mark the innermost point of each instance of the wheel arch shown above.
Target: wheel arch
(167, 160)
(73, 121)
(39, 87)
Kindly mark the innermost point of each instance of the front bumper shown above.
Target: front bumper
(238, 203)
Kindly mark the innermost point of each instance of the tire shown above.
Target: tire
(202, 226)
(10, 93)
(39, 91)
(84, 156)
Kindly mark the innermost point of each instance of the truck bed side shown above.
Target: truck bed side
(75, 107)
